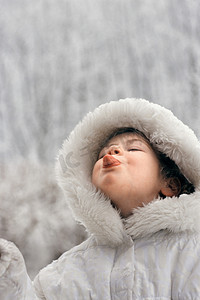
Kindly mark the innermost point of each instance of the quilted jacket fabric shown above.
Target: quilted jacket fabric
(162, 267)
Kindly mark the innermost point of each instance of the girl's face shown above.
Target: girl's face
(128, 172)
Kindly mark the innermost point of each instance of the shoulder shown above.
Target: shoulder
(177, 247)
(48, 279)
(73, 266)
(67, 257)
(73, 272)
(89, 248)
(178, 240)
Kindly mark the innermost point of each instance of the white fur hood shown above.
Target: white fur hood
(92, 208)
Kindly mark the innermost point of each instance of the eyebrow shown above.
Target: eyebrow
(128, 141)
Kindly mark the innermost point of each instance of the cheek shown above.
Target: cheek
(154, 173)
(156, 167)
(145, 168)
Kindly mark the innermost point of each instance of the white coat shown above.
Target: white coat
(153, 254)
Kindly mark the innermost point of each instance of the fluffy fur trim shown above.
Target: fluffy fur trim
(79, 153)
(174, 214)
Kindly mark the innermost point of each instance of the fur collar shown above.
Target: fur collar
(174, 214)
(92, 208)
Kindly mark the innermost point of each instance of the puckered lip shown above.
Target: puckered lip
(110, 161)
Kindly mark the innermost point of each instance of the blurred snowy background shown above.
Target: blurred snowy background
(60, 59)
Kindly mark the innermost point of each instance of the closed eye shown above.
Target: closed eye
(134, 149)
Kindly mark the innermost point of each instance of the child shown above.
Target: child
(131, 174)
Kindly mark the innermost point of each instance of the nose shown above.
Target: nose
(115, 150)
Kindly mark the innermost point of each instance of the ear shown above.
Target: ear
(171, 187)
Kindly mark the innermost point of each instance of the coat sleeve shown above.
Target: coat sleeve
(15, 283)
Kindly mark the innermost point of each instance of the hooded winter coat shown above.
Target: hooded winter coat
(154, 253)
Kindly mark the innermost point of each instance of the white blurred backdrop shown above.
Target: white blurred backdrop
(61, 59)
